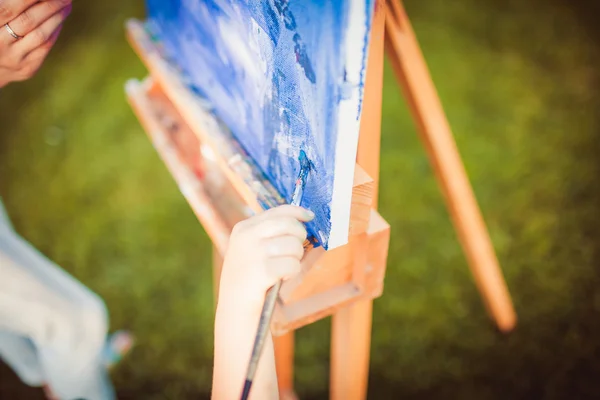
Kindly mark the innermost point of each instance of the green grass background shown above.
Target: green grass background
(519, 81)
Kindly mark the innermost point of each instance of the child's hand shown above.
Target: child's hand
(262, 250)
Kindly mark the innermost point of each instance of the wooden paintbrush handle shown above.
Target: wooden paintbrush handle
(264, 325)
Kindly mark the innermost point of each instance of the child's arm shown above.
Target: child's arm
(262, 250)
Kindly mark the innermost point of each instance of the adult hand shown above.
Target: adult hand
(262, 250)
(28, 30)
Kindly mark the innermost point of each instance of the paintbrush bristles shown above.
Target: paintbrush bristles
(305, 167)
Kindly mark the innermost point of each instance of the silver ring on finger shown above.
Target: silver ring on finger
(11, 32)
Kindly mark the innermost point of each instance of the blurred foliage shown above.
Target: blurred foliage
(520, 86)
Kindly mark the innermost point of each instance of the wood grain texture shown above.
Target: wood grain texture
(377, 255)
(363, 191)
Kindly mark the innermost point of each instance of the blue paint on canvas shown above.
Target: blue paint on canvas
(274, 72)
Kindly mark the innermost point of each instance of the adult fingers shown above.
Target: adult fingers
(42, 33)
(41, 52)
(282, 267)
(299, 213)
(284, 246)
(33, 61)
(34, 16)
(282, 226)
(10, 9)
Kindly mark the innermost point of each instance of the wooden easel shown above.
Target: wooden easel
(222, 188)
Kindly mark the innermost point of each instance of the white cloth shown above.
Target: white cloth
(52, 328)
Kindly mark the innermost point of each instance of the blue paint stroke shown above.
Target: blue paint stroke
(305, 167)
(369, 13)
(274, 72)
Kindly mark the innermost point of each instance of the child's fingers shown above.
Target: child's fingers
(271, 228)
(282, 267)
(287, 210)
(284, 246)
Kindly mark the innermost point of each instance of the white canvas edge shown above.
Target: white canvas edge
(348, 128)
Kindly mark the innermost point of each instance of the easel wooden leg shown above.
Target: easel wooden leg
(284, 364)
(350, 351)
(412, 72)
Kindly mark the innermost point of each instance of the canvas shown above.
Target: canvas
(284, 76)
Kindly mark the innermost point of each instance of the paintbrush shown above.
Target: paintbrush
(271, 298)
